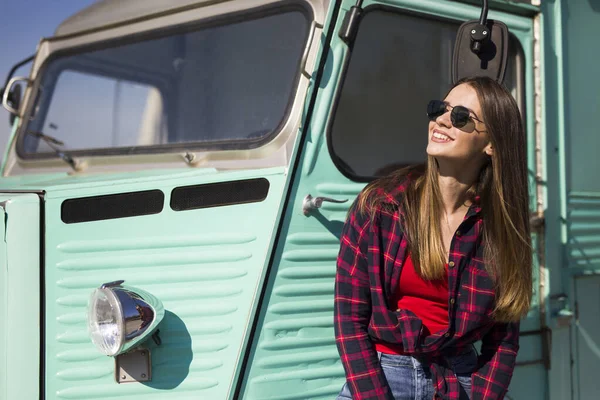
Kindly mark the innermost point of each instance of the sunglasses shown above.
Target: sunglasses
(459, 115)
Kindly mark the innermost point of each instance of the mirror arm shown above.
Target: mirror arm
(16, 67)
(484, 13)
(480, 33)
(9, 96)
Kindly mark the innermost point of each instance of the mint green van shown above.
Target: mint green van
(179, 172)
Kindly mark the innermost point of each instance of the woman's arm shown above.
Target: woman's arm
(352, 313)
(497, 361)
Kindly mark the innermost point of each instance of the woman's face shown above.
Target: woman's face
(452, 144)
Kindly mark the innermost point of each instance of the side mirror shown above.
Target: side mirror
(11, 96)
(481, 48)
(121, 317)
(485, 57)
(14, 98)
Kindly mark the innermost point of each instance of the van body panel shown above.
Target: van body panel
(205, 264)
(581, 218)
(20, 292)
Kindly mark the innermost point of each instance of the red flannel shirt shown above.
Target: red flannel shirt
(368, 269)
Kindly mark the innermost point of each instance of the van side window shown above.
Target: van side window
(399, 62)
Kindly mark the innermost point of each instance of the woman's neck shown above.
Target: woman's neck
(454, 187)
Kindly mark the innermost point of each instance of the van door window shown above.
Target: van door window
(399, 62)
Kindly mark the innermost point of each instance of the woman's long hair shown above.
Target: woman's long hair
(503, 196)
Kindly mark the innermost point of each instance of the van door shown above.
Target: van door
(368, 119)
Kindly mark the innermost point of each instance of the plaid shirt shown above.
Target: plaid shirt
(368, 270)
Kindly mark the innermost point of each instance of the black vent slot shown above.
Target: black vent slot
(112, 206)
(219, 194)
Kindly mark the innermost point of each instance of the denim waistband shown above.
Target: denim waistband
(462, 364)
(397, 360)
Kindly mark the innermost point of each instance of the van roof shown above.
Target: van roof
(105, 13)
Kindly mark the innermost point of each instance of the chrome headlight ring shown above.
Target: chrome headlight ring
(120, 317)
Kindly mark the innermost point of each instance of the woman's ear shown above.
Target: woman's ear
(488, 150)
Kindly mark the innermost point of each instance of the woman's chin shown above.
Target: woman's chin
(438, 150)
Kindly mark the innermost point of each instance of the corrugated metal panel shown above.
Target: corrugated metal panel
(295, 356)
(204, 265)
(583, 250)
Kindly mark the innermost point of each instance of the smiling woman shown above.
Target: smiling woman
(456, 124)
(462, 239)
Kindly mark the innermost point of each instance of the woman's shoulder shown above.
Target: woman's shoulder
(389, 190)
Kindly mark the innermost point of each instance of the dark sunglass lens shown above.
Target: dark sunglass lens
(460, 116)
(435, 108)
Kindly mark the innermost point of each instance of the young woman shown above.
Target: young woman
(437, 257)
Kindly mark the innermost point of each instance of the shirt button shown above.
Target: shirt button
(446, 334)
(451, 264)
(458, 233)
(451, 301)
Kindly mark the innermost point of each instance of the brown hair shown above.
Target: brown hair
(504, 199)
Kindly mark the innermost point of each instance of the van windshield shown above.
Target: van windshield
(226, 86)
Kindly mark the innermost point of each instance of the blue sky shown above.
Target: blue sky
(23, 24)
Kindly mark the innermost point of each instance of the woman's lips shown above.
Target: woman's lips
(440, 137)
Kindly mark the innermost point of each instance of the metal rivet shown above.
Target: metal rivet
(124, 377)
(143, 375)
(143, 353)
(473, 31)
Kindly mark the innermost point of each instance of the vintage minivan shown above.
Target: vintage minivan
(179, 172)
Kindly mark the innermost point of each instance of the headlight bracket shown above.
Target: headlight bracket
(133, 366)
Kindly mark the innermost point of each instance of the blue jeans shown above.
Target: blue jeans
(410, 380)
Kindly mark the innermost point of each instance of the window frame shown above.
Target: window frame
(195, 26)
(340, 164)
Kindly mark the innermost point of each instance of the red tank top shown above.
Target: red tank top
(428, 300)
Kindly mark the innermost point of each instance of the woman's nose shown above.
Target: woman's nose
(444, 119)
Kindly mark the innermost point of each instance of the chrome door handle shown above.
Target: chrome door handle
(312, 203)
(313, 28)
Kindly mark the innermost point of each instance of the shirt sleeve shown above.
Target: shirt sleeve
(497, 362)
(352, 313)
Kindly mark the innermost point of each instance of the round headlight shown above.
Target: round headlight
(105, 321)
(121, 317)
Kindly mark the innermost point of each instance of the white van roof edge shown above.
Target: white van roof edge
(106, 13)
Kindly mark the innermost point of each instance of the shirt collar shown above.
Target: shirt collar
(395, 196)
(475, 208)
